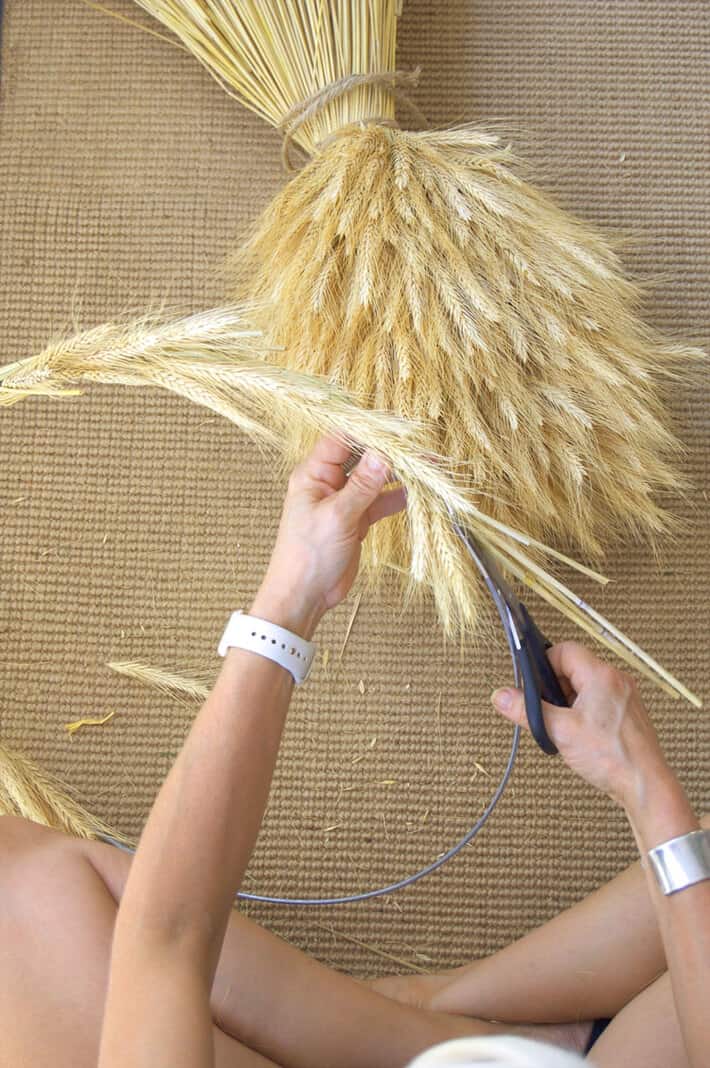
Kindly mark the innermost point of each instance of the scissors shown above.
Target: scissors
(528, 645)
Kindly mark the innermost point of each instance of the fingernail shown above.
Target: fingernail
(374, 464)
(502, 698)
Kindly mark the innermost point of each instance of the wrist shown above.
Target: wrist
(659, 810)
(293, 611)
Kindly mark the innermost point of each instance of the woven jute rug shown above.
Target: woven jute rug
(133, 523)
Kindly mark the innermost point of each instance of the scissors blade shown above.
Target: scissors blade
(527, 643)
(483, 559)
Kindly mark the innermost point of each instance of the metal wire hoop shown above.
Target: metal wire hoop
(409, 880)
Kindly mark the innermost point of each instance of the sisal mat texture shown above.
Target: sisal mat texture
(133, 523)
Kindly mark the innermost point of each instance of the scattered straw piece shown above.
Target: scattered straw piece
(373, 949)
(343, 790)
(479, 767)
(356, 607)
(361, 686)
(94, 721)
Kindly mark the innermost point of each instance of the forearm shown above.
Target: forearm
(204, 823)
(593, 958)
(683, 917)
(201, 831)
(274, 999)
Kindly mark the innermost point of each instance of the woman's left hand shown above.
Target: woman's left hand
(325, 518)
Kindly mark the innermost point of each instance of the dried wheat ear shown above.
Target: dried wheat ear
(217, 359)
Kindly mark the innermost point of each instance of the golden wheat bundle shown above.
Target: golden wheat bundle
(217, 359)
(423, 274)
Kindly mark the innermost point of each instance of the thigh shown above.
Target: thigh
(271, 997)
(56, 925)
(645, 1032)
(55, 931)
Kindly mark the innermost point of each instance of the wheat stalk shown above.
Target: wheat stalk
(421, 275)
(27, 790)
(211, 358)
(273, 55)
(167, 682)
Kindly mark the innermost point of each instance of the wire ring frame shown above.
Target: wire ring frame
(408, 880)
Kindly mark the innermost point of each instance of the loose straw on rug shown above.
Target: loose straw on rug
(168, 682)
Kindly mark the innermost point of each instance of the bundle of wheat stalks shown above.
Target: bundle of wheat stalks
(416, 289)
(425, 276)
(217, 359)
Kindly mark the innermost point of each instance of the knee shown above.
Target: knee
(20, 837)
(25, 846)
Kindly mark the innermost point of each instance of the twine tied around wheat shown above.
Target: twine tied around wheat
(305, 110)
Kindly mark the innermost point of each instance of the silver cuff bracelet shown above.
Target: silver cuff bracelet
(682, 861)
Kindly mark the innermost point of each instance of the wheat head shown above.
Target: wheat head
(195, 687)
(422, 274)
(27, 790)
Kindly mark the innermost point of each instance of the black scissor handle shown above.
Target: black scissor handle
(539, 680)
(533, 704)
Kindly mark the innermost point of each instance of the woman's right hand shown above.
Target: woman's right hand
(606, 735)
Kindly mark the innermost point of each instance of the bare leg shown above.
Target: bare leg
(275, 999)
(645, 1032)
(56, 925)
(590, 961)
(59, 906)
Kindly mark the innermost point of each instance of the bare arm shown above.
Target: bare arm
(683, 917)
(608, 739)
(203, 826)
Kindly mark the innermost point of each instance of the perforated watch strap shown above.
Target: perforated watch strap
(269, 640)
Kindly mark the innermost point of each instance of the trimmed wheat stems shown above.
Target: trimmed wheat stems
(217, 359)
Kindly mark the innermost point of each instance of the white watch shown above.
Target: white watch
(269, 640)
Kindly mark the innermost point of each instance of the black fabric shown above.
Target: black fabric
(598, 1028)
